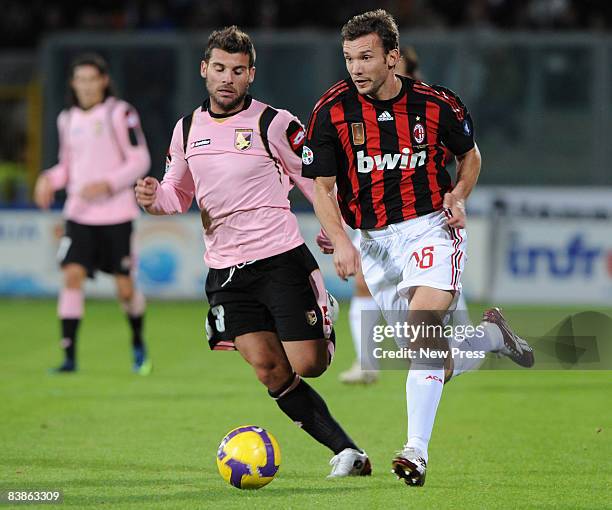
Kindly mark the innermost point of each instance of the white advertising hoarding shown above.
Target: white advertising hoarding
(169, 253)
(554, 261)
(532, 260)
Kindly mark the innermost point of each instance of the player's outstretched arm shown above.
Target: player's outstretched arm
(176, 191)
(468, 169)
(346, 257)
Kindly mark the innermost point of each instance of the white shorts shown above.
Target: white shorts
(423, 251)
(356, 238)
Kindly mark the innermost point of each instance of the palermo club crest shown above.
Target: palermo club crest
(243, 139)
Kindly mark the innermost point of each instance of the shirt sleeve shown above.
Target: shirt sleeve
(177, 189)
(319, 152)
(133, 146)
(456, 126)
(286, 135)
(58, 174)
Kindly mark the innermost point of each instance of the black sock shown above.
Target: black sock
(136, 325)
(69, 337)
(306, 407)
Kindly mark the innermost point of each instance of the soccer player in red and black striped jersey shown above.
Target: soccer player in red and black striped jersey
(364, 314)
(381, 139)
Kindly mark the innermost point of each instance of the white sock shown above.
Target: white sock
(363, 316)
(423, 392)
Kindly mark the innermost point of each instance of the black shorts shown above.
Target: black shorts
(105, 248)
(279, 294)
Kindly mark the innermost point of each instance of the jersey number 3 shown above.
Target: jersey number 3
(219, 313)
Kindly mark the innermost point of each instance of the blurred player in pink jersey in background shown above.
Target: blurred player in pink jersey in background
(239, 158)
(102, 152)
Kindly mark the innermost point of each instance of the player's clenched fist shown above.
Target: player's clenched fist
(346, 259)
(145, 191)
(457, 208)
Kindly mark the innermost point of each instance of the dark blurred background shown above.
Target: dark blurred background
(23, 24)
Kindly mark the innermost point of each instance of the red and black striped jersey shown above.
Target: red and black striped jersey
(388, 156)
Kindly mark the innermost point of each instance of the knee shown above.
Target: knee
(311, 367)
(73, 277)
(271, 373)
(125, 291)
(125, 294)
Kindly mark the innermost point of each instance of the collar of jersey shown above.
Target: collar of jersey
(92, 108)
(206, 108)
(393, 99)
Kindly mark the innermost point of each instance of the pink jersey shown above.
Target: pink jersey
(239, 186)
(104, 143)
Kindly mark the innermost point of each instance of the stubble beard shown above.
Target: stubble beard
(228, 107)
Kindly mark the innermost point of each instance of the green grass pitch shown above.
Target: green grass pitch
(111, 439)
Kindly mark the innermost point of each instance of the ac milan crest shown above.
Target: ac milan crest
(418, 132)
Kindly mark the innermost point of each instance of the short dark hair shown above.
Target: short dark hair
(373, 22)
(89, 59)
(232, 40)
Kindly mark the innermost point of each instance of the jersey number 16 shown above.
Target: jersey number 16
(425, 259)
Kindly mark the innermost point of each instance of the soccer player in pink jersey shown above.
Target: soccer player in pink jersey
(102, 153)
(239, 158)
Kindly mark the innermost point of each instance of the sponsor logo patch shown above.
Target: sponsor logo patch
(407, 159)
(243, 139)
(384, 116)
(199, 143)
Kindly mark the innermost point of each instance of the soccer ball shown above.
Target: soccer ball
(248, 457)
